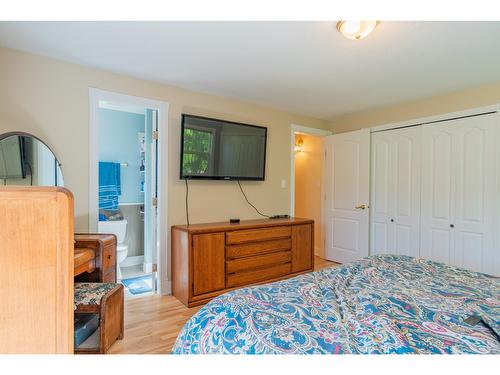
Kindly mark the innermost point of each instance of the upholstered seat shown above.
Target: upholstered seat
(91, 293)
(105, 300)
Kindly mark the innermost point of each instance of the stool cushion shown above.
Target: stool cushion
(91, 293)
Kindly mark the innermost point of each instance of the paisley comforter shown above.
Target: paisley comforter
(380, 304)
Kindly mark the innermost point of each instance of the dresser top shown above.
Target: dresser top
(225, 226)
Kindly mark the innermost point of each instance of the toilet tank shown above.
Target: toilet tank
(117, 227)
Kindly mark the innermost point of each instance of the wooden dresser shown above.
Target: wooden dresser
(210, 259)
(102, 268)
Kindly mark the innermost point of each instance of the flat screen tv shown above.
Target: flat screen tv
(222, 150)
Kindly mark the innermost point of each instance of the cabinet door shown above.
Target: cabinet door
(208, 263)
(302, 247)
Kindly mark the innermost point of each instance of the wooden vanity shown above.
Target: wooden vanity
(95, 257)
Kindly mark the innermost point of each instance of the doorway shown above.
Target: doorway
(306, 182)
(125, 187)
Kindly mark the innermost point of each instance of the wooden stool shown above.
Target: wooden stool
(106, 300)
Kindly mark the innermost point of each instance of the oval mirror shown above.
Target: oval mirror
(26, 160)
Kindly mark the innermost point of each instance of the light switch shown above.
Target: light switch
(283, 184)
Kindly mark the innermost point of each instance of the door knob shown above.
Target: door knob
(362, 206)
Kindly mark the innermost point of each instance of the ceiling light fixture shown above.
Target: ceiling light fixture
(356, 29)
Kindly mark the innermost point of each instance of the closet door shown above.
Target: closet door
(475, 193)
(405, 184)
(395, 221)
(459, 193)
(438, 192)
(381, 192)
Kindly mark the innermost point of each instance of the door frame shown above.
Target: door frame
(435, 118)
(294, 128)
(95, 97)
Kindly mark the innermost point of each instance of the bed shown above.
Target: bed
(380, 304)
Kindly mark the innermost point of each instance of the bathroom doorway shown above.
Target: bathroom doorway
(126, 188)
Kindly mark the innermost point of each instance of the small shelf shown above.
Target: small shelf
(91, 344)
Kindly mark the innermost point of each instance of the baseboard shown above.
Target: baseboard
(166, 288)
(132, 261)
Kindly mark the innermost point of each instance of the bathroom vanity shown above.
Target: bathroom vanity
(102, 266)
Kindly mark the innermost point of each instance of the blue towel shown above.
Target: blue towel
(109, 185)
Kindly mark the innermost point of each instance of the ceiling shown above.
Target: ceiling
(300, 67)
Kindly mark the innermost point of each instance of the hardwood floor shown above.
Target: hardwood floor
(152, 323)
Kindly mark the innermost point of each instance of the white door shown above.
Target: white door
(395, 192)
(405, 218)
(459, 193)
(381, 201)
(347, 192)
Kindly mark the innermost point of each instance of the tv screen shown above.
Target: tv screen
(222, 150)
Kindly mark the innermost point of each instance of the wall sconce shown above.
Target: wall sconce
(299, 144)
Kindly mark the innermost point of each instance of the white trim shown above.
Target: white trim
(147, 267)
(132, 261)
(294, 128)
(128, 109)
(440, 117)
(167, 289)
(496, 238)
(96, 96)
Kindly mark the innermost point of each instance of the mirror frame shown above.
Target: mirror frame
(24, 134)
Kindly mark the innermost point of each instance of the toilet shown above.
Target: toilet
(119, 229)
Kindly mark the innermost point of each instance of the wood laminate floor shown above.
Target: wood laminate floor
(152, 323)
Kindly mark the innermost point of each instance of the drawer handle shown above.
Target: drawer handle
(110, 256)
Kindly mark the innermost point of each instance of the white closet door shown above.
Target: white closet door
(381, 192)
(347, 187)
(395, 226)
(475, 180)
(405, 219)
(458, 192)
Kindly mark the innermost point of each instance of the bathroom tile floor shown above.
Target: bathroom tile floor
(131, 272)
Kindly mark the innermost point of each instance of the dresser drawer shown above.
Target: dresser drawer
(250, 263)
(249, 277)
(257, 248)
(255, 235)
(108, 259)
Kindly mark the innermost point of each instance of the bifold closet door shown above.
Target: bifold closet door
(395, 192)
(459, 193)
